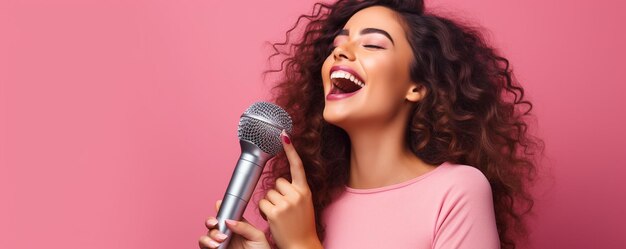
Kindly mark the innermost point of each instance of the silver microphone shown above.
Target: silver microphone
(259, 136)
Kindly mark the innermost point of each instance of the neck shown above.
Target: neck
(380, 157)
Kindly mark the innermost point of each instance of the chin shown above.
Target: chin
(329, 116)
(341, 117)
(335, 117)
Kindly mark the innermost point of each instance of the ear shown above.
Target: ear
(416, 92)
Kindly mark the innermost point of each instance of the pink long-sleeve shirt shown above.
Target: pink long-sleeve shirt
(448, 207)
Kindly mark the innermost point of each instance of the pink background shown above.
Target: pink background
(118, 118)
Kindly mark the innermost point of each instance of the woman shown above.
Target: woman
(410, 132)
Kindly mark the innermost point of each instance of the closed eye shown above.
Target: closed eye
(373, 46)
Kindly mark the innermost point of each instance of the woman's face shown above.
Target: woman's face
(366, 77)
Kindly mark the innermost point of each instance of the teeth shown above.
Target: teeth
(346, 75)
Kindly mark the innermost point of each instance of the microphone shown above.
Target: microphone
(259, 130)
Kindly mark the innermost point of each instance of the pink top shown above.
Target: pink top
(448, 207)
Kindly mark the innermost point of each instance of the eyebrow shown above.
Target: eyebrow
(369, 31)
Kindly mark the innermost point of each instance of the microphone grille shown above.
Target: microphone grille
(261, 125)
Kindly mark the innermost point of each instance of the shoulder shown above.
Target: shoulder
(466, 217)
(462, 179)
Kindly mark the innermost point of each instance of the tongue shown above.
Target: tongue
(345, 86)
(336, 90)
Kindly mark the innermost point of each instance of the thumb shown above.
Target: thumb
(218, 204)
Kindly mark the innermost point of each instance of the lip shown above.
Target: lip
(338, 96)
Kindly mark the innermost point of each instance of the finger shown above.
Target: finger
(246, 230)
(218, 203)
(211, 222)
(284, 187)
(216, 235)
(298, 178)
(244, 220)
(274, 197)
(266, 208)
(206, 242)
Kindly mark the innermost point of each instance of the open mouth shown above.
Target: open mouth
(344, 82)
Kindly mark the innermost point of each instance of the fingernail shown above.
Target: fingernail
(285, 137)
(231, 222)
(214, 244)
(221, 236)
(212, 222)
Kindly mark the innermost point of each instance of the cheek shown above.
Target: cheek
(386, 76)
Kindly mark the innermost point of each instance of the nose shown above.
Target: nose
(343, 52)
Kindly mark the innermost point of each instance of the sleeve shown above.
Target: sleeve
(467, 218)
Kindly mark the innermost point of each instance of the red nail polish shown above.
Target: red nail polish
(286, 138)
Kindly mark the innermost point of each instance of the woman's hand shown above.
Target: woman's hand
(245, 236)
(289, 207)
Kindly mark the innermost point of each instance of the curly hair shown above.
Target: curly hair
(473, 113)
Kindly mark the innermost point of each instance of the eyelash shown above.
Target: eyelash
(332, 48)
(373, 46)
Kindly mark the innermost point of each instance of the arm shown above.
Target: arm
(467, 218)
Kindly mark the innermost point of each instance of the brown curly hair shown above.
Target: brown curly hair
(473, 113)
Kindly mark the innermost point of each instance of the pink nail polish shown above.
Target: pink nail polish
(231, 222)
(214, 244)
(221, 236)
(212, 222)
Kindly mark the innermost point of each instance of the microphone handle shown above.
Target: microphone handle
(245, 177)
